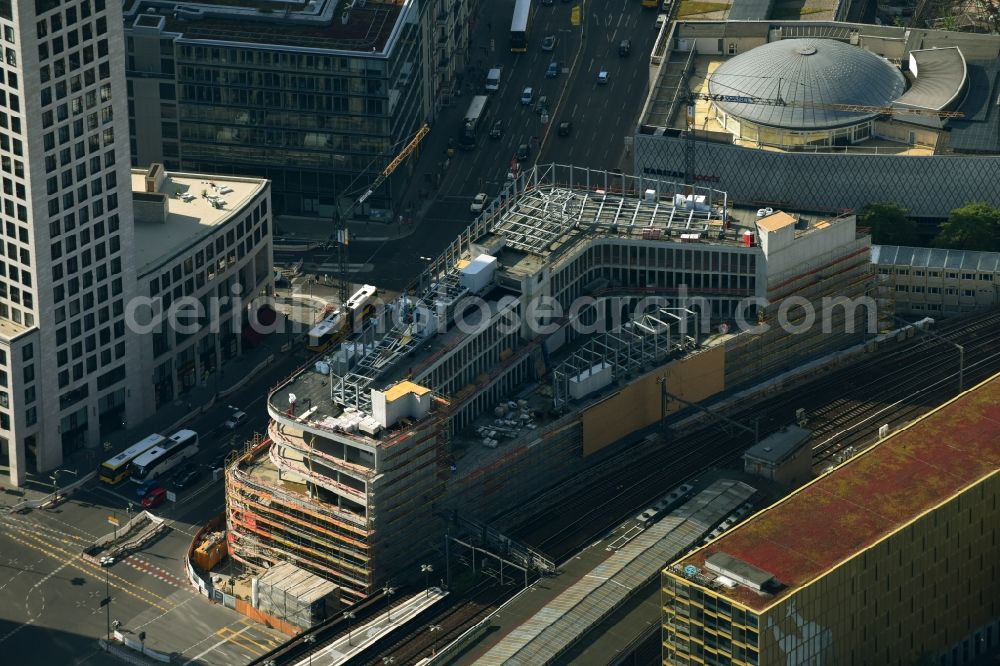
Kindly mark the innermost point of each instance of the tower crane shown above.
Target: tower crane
(340, 217)
(692, 97)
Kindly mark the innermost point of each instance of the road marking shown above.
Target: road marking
(240, 642)
(86, 567)
(222, 642)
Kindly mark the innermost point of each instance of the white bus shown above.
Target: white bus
(520, 25)
(116, 469)
(180, 446)
(475, 118)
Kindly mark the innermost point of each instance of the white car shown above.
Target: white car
(478, 203)
(602, 78)
(527, 96)
(549, 43)
(234, 421)
(660, 20)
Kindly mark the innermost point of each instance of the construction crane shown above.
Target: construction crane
(692, 97)
(340, 217)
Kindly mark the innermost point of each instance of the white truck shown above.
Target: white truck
(493, 79)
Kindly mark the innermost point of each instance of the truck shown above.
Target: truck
(493, 79)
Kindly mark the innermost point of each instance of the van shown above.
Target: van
(493, 79)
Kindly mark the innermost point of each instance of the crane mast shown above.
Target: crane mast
(340, 217)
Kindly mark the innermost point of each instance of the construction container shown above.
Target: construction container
(478, 275)
(296, 596)
(210, 552)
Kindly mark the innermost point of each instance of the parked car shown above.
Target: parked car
(625, 47)
(145, 487)
(660, 20)
(496, 131)
(553, 70)
(527, 96)
(523, 152)
(602, 78)
(549, 43)
(542, 105)
(478, 203)
(236, 418)
(154, 498)
(565, 127)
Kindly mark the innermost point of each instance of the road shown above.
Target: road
(602, 116)
(50, 597)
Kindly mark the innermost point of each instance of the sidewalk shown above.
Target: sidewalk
(167, 418)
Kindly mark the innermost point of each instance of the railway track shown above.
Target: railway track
(902, 383)
(450, 624)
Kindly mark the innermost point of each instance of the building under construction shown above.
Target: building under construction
(578, 310)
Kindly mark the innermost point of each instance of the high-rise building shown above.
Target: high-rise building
(317, 98)
(67, 225)
(890, 558)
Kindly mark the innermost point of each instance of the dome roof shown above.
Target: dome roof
(813, 71)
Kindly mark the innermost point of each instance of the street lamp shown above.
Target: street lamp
(106, 601)
(55, 481)
(310, 640)
(389, 591)
(432, 628)
(426, 569)
(388, 660)
(349, 615)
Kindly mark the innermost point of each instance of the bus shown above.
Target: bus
(519, 26)
(475, 118)
(152, 464)
(337, 325)
(328, 332)
(649, 3)
(115, 470)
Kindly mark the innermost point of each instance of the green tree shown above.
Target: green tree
(889, 224)
(974, 226)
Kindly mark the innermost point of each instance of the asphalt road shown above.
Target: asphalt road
(602, 116)
(50, 597)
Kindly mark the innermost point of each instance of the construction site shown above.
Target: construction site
(574, 315)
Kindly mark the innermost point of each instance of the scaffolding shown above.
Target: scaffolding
(628, 350)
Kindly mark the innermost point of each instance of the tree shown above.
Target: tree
(889, 224)
(974, 226)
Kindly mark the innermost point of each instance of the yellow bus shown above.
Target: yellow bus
(649, 3)
(117, 469)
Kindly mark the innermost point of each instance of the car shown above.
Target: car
(523, 152)
(625, 47)
(235, 420)
(660, 20)
(496, 131)
(602, 77)
(549, 43)
(145, 487)
(553, 70)
(219, 461)
(478, 203)
(565, 127)
(186, 479)
(543, 104)
(154, 498)
(527, 96)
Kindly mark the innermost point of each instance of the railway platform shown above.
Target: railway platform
(363, 636)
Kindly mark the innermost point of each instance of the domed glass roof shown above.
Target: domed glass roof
(813, 71)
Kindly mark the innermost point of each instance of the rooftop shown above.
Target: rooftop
(866, 499)
(315, 24)
(190, 218)
(780, 445)
(926, 257)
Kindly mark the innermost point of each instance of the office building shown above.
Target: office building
(890, 558)
(824, 115)
(205, 239)
(467, 407)
(316, 98)
(934, 281)
(67, 268)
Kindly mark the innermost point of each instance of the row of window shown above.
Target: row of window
(281, 60)
(951, 275)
